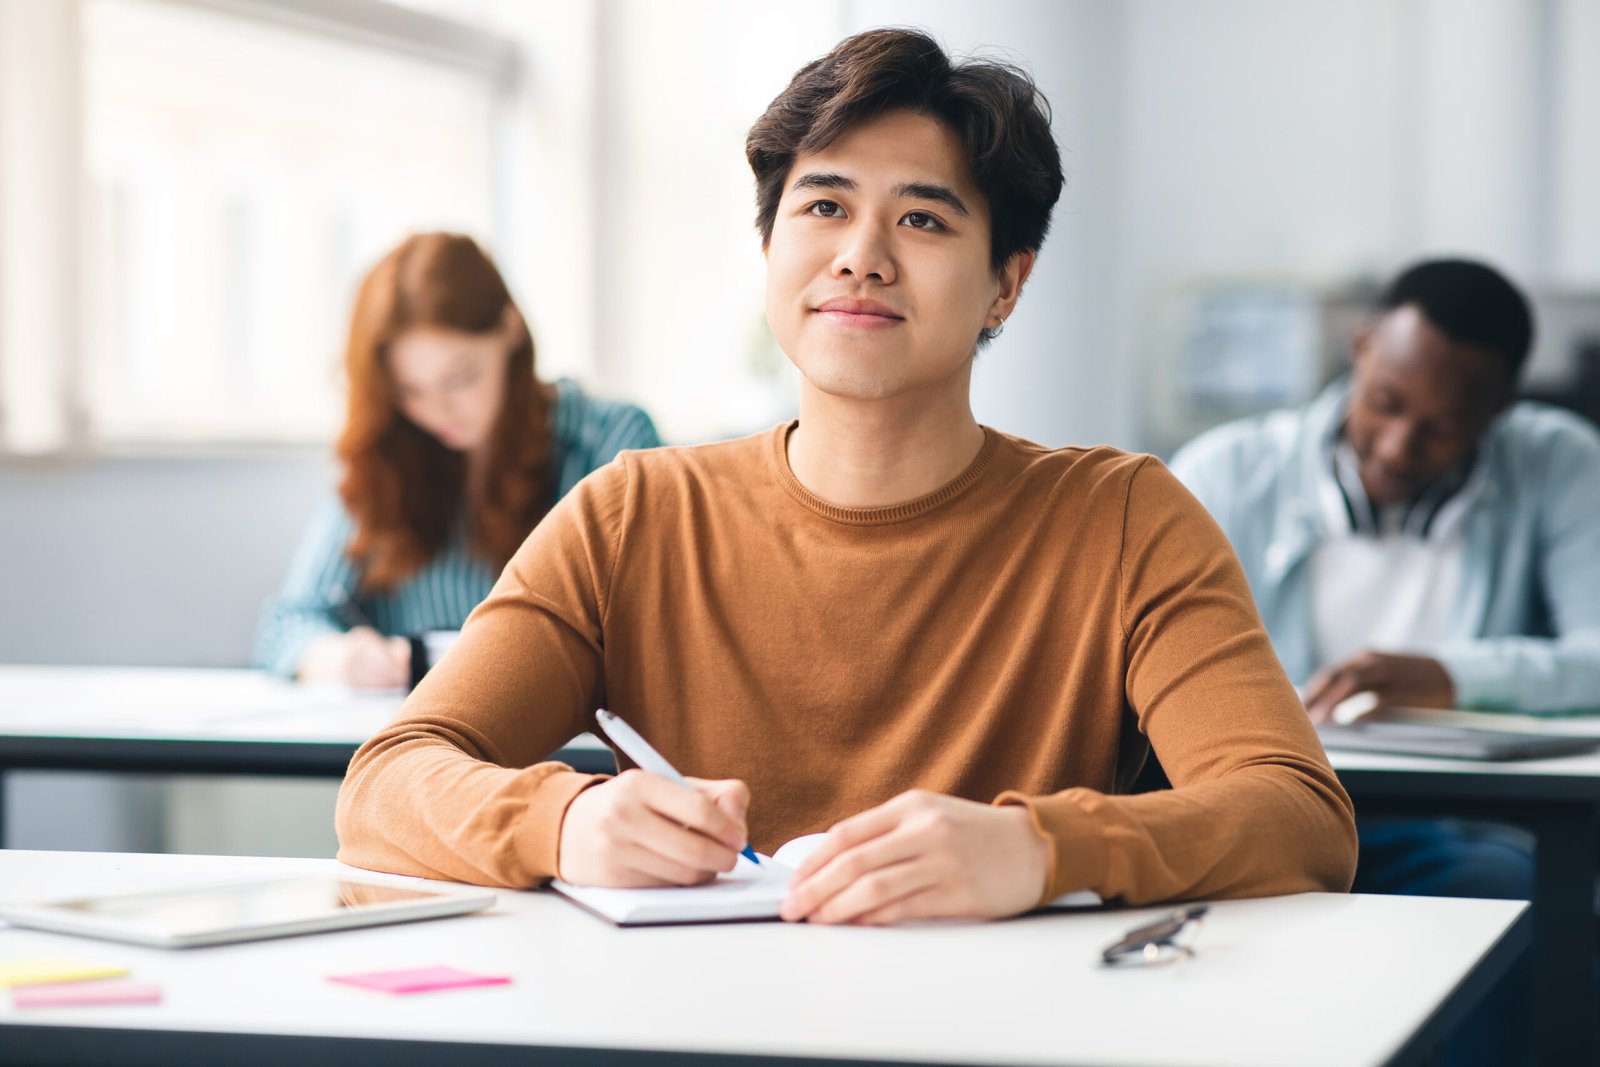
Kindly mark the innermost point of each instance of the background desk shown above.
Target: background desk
(1317, 980)
(1556, 800)
(196, 722)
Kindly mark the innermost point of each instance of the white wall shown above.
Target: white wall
(1576, 148)
(147, 560)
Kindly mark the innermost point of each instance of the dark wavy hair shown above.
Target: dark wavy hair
(401, 485)
(995, 108)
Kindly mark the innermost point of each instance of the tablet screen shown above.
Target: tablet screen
(193, 911)
(228, 912)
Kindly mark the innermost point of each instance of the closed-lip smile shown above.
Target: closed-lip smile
(859, 313)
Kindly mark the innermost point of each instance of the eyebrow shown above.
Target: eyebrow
(942, 194)
(930, 191)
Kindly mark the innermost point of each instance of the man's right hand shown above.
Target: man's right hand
(640, 829)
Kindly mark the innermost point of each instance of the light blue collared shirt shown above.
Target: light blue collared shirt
(1526, 629)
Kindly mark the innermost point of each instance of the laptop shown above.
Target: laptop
(1450, 742)
(241, 911)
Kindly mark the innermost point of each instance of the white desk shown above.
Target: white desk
(184, 703)
(1316, 980)
(145, 720)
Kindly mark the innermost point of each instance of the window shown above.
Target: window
(242, 165)
(241, 176)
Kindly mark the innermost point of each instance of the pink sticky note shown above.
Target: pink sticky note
(84, 994)
(420, 980)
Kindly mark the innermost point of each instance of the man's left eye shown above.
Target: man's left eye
(921, 220)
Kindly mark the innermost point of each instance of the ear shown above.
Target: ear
(1013, 275)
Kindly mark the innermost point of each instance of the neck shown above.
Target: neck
(876, 453)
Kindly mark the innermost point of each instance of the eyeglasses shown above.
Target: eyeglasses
(1162, 941)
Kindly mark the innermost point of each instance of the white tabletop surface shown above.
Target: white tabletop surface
(186, 703)
(192, 704)
(1316, 979)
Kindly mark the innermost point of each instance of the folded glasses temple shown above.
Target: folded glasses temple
(1145, 942)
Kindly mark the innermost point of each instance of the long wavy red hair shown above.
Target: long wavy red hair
(404, 489)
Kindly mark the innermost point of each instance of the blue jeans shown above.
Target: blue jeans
(1446, 858)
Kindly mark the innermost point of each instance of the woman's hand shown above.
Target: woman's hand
(362, 657)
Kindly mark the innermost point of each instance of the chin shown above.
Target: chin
(851, 385)
(848, 375)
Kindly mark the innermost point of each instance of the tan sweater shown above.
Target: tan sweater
(1028, 630)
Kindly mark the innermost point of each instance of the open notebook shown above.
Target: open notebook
(744, 894)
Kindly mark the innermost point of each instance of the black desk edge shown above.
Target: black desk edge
(64, 1046)
(279, 759)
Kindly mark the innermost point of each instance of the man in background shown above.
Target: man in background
(1416, 534)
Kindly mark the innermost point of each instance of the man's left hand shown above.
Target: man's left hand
(923, 856)
(1396, 681)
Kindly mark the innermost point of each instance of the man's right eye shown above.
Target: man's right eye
(825, 208)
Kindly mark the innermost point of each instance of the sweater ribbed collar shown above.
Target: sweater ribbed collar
(885, 515)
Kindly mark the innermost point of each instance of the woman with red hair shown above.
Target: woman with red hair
(451, 452)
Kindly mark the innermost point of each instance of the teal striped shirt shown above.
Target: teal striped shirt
(321, 594)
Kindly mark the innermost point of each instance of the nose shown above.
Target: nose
(864, 253)
(1398, 443)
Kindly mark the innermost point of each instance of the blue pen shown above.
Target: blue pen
(638, 749)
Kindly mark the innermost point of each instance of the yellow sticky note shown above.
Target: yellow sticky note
(38, 972)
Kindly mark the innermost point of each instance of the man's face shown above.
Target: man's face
(1419, 403)
(878, 275)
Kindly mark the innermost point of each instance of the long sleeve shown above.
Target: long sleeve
(317, 596)
(455, 787)
(1560, 672)
(991, 636)
(1255, 807)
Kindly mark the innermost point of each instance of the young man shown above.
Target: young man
(1414, 534)
(946, 647)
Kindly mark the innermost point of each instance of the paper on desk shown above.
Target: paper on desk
(746, 892)
(85, 994)
(419, 980)
(41, 971)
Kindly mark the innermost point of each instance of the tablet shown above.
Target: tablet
(241, 911)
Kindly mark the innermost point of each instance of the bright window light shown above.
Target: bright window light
(241, 176)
